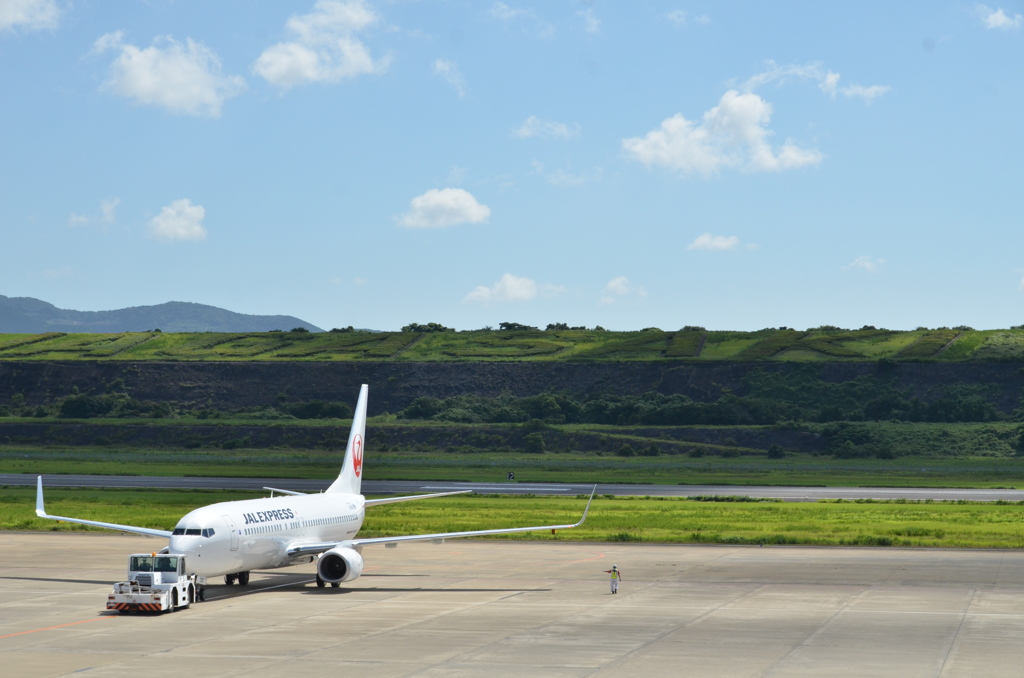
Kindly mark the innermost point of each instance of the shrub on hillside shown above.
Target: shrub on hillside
(317, 409)
(533, 443)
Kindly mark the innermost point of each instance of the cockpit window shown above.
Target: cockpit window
(188, 531)
(208, 532)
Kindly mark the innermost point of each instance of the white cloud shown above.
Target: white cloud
(677, 16)
(998, 18)
(326, 47)
(731, 135)
(509, 289)
(29, 15)
(438, 208)
(866, 264)
(181, 220)
(535, 127)
(620, 287)
(591, 24)
(680, 16)
(527, 19)
(830, 86)
(868, 94)
(720, 243)
(449, 70)
(183, 78)
(828, 81)
(502, 12)
(562, 178)
(781, 73)
(107, 215)
(107, 209)
(456, 175)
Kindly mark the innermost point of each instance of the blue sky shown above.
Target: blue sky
(628, 164)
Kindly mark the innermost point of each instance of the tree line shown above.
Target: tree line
(770, 398)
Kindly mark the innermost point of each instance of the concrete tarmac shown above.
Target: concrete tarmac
(539, 609)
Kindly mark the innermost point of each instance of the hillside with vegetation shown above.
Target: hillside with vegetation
(827, 405)
(556, 343)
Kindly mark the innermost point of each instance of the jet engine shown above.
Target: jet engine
(339, 564)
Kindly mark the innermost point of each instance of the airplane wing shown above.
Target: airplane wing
(392, 500)
(311, 549)
(41, 512)
(388, 500)
(291, 492)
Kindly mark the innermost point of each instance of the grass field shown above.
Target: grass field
(927, 524)
(797, 469)
(533, 345)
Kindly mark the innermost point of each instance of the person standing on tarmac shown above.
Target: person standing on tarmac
(616, 578)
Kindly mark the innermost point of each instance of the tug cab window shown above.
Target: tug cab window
(166, 564)
(141, 564)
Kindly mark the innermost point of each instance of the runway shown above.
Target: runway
(513, 609)
(380, 487)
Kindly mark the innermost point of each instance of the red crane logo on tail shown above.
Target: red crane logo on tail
(357, 455)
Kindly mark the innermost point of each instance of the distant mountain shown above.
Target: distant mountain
(32, 316)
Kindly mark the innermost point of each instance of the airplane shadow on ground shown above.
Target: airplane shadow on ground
(376, 589)
(364, 576)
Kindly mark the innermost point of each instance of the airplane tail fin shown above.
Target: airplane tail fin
(351, 476)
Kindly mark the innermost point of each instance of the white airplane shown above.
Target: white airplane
(234, 537)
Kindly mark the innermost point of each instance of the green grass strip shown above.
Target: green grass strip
(662, 520)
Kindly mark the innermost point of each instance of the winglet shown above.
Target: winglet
(587, 510)
(40, 510)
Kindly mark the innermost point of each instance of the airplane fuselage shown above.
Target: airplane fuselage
(253, 534)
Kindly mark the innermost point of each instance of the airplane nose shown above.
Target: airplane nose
(183, 545)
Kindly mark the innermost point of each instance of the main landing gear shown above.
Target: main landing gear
(242, 577)
(321, 583)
